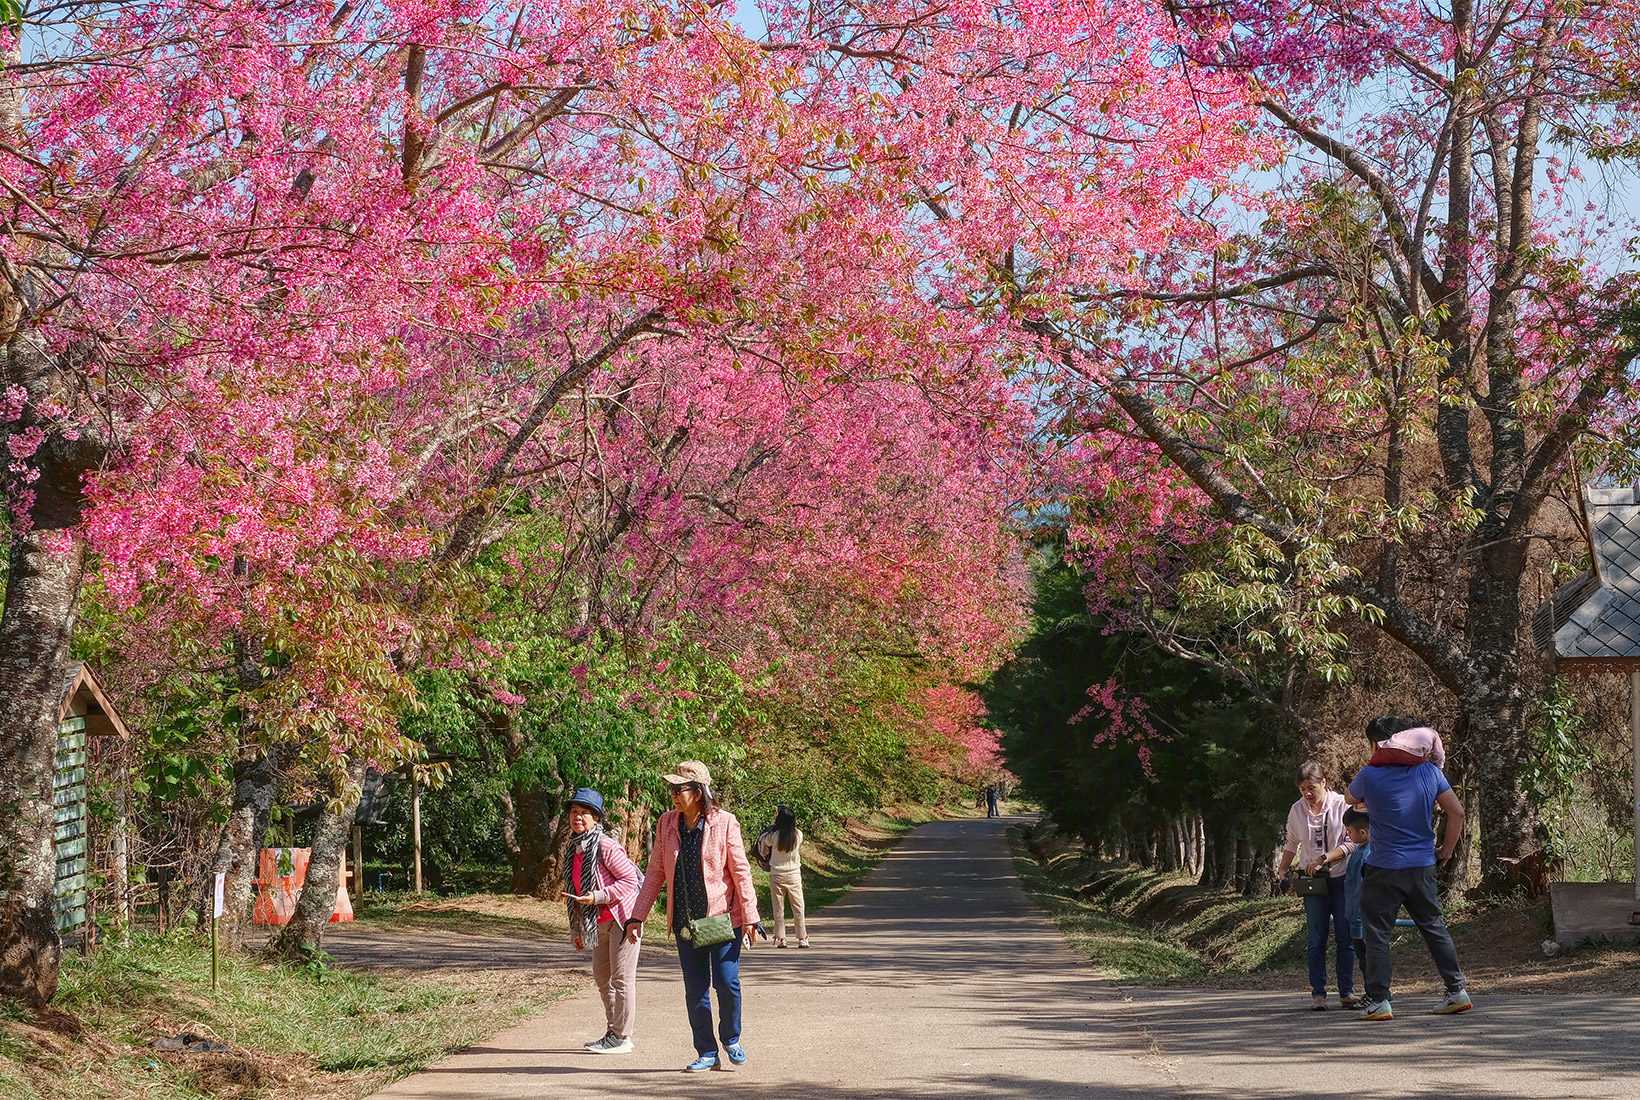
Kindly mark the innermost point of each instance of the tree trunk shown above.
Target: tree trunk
(1260, 869)
(1494, 710)
(542, 829)
(256, 781)
(1219, 856)
(300, 939)
(632, 812)
(45, 571)
(42, 592)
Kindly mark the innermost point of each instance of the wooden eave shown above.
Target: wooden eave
(98, 706)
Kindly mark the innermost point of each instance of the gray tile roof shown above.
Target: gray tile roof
(1605, 623)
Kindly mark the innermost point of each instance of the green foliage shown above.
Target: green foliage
(1560, 756)
(1217, 750)
(1581, 788)
(839, 748)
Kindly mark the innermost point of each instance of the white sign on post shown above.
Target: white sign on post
(220, 876)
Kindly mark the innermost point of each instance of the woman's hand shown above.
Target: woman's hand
(583, 899)
(634, 930)
(1314, 866)
(579, 946)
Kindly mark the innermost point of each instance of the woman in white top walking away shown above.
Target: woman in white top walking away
(1315, 827)
(777, 849)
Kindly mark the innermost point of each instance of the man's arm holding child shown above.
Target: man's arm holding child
(1449, 803)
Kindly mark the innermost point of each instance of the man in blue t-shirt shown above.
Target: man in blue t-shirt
(1400, 870)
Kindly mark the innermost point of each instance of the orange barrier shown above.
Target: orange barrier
(280, 875)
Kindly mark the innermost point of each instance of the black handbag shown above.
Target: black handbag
(1311, 886)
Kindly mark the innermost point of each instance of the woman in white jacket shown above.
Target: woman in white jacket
(1315, 827)
(777, 848)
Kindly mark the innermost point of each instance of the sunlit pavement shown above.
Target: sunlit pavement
(938, 976)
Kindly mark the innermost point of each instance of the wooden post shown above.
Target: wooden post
(1634, 733)
(120, 856)
(216, 913)
(415, 827)
(358, 863)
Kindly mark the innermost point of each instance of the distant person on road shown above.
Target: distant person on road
(992, 802)
(700, 857)
(1315, 826)
(777, 849)
(1400, 869)
(600, 882)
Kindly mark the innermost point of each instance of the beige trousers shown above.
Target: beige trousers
(785, 885)
(615, 969)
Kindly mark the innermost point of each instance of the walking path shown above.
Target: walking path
(938, 976)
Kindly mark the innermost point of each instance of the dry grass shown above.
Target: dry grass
(308, 1033)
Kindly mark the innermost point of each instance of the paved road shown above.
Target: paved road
(939, 977)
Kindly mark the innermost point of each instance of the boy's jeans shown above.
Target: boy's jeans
(1383, 891)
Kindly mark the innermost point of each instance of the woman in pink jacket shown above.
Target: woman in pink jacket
(599, 884)
(700, 857)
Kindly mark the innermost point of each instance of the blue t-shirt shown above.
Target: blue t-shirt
(1401, 802)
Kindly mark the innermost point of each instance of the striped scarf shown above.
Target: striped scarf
(583, 919)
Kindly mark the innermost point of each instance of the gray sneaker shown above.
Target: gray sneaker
(1454, 1002)
(1377, 1010)
(597, 1045)
(611, 1044)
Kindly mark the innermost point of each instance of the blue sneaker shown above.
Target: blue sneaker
(702, 1064)
(737, 1053)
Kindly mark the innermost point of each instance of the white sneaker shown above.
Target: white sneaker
(611, 1044)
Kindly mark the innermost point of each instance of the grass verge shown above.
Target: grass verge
(313, 1033)
(1147, 926)
(1124, 950)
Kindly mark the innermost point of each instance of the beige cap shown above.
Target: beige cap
(690, 771)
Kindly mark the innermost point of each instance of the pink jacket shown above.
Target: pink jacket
(723, 864)
(620, 876)
(1412, 746)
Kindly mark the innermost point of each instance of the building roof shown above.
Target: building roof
(83, 696)
(1594, 619)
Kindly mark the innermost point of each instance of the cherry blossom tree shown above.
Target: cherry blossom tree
(1373, 397)
(291, 293)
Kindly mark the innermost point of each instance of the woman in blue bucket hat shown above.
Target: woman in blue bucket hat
(600, 882)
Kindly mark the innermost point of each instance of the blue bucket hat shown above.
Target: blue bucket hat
(589, 798)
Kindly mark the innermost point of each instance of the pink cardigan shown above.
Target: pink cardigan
(723, 865)
(620, 880)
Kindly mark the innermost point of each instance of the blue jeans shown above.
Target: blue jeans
(704, 969)
(1317, 912)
